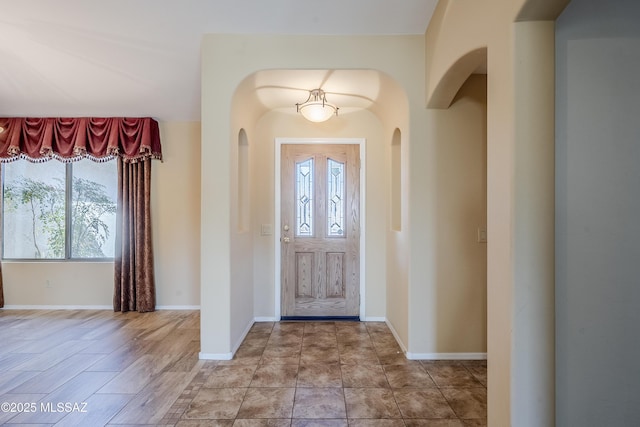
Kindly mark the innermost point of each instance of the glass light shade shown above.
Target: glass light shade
(316, 112)
(316, 108)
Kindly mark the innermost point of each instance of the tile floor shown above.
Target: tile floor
(330, 374)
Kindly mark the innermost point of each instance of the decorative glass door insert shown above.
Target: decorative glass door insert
(304, 198)
(335, 196)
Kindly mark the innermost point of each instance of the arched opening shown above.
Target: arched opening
(472, 62)
(371, 105)
(461, 212)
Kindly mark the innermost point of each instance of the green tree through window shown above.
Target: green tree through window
(61, 213)
(90, 205)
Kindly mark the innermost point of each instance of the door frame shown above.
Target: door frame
(279, 142)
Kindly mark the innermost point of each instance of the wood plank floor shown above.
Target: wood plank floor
(99, 368)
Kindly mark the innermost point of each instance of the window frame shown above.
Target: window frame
(68, 203)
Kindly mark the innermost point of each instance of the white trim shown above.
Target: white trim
(58, 307)
(375, 319)
(265, 319)
(227, 356)
(215, 356)
(242, 337)
(446, 356)
(92, 307)
(279, 142)
(396, 336)
(363, 225)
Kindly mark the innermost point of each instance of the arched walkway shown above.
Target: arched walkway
(518, 40)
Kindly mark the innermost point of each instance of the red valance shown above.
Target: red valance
(68, 139)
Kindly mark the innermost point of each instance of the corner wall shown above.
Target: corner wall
(519, 61)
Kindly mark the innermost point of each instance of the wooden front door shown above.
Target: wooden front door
(320, 229)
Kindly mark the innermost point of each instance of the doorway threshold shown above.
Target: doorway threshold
(320, 318)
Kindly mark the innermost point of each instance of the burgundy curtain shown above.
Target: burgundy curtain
(67, 139)
(134, 279)
(134, 142)
(1, 290)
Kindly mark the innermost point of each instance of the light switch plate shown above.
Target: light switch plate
(482, 235)
(266, 230)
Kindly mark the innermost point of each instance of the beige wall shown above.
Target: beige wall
(175, 210)
(57, 284)
(241, 293)
(176, 215)
(394, 109)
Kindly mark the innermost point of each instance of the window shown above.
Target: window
(59, 211)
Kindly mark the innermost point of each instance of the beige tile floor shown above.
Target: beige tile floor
(331, 374)
(143, 369)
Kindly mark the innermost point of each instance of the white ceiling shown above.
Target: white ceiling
(142, 57)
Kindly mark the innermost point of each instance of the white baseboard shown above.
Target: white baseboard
(242, 337)
(434, 356)
(178, 307)
(266, 319)
(58, 307)
(277, 319)
(446, 356)
(227, 356)
(92, 307)
(215, 356)
(396, 336)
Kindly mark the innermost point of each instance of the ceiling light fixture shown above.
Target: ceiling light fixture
(316, 108)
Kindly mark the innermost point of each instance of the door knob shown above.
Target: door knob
(286, 227)
(286, 239)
